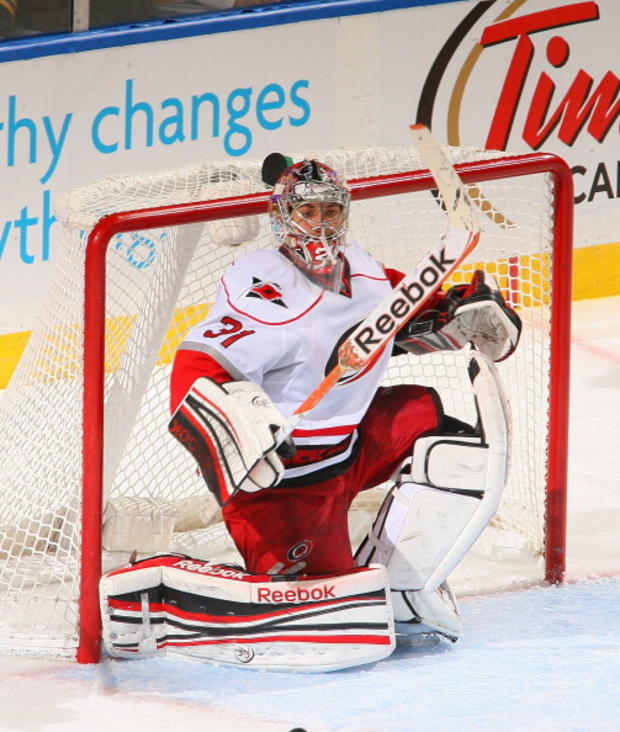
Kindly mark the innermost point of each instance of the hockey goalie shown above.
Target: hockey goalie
(302, 600)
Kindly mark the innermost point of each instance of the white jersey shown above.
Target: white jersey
(273, 326)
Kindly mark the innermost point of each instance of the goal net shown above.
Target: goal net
(87, 408)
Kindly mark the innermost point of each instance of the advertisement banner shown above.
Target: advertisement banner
(523, 76)
(516, 75)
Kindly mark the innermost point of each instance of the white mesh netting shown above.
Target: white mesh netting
(159, 283)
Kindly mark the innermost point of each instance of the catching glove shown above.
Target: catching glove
(471, 313)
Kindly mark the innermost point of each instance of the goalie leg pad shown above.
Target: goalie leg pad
(418, 528)
(415, 530)
(431, 518)
(419, 612)
(220, 613)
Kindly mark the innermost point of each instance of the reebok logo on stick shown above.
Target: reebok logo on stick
(406, 298)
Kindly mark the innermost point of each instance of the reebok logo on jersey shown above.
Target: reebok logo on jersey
(297, 594)
(269, 291)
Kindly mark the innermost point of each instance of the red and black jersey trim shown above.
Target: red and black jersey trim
(310, 454)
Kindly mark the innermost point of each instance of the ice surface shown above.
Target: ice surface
(544, 659)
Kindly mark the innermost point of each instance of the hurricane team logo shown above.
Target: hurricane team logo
(269, 291)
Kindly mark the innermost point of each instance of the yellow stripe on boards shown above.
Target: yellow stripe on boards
(596, 273)
(182, 321)
(12, 346)
(63, 345)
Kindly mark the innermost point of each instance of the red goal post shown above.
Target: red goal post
(548, 281)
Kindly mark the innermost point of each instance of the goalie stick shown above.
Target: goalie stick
(372, 334)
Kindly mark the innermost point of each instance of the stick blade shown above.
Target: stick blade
(459, 209)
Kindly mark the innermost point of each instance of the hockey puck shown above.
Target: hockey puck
(273, 167)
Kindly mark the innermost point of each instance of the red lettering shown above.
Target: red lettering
(297, 594)
(575, 108)
(183, 435)
(231, 327)
(510, 95)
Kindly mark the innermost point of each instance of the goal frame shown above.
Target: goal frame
(253, 204)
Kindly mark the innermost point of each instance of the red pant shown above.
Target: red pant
(304, 528)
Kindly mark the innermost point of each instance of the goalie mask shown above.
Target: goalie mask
(309, 214)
